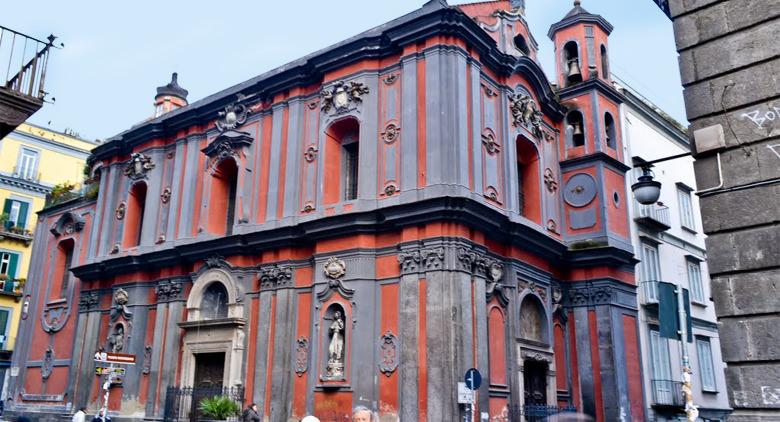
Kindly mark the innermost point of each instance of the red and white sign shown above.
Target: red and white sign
(122, 358)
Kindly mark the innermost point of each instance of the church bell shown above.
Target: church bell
(574, 69)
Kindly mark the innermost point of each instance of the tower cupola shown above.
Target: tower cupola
(581, 46)
(169, 97)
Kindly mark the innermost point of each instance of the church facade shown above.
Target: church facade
(358, 227)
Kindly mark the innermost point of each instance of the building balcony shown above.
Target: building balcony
(667, 394)
(13, 233)
(26, 174)
(649, 294)
(24, 60)
(10, 287)
(654, 217)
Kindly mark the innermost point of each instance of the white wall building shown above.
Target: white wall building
(669, 242)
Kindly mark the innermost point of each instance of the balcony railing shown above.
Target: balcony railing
(654, 216)
(26, 174)
(667, 393)
(537, 412)
(23, 61)
(11, 287)
(649, 292)
(11, 232)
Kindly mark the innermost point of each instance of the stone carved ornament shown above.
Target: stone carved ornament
(116, 339)
(147, 362)
(233, 116)
(48, 363)
(526, 113)
(334, 268)
(121, 209)
(549, 180)
(138, 166)
(121, 298)
(482, 265)
(489, 141)
(167, 291)
(335, 368)
(523, 285)
(589, 295)
(301, 356)
(165, 196)
(341, 94)
(89, 300)
(388, 353)
(54, 317)
(68, 223)
(275, 276)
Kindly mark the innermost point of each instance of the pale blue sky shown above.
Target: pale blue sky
(117, 53)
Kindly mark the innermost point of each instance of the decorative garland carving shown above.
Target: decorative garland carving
(301, 356)
(391, 133)
(88, 300)
(341, 94)
(121, 209)
(275, 276)
(526, 113)
(388, 353)
(138, 166)
(233, 116)
(48, 363)
(589, 296)
(549, 180)
(165, 196)
(489, 141)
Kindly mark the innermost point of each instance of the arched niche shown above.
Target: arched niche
(342, 160)
(222, 202)
(610, 132)
(534, 326)
(575, 129)
(497, 345)
(572, 65)
(336, 317)
(529, 180)
(134, 215)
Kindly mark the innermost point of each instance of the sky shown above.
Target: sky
(117, 53)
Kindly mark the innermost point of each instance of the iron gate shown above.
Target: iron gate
(181, 403)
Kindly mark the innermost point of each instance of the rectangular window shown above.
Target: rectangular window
(706, 367)
(17, 213)
(662, 385)
(5, 317)
(694, 281)
(650, 271)
(351, 155)
(27, 161)
(686, 208)
(8, 264)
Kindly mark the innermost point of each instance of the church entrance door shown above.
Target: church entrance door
(209, 376)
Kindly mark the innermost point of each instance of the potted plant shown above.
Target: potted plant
(218, 408)
(4, 217)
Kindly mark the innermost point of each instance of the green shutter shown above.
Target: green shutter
(7, 212)
(12, 265)
(3, 327)
(667, 311)
(688, 320)
(23, 208)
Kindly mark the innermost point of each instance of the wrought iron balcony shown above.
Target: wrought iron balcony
(649, 292)
(667, 393)
(655, 217)
(27, 174)
(23, 61)
(10, 232)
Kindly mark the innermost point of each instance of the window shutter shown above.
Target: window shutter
(3, 326)
(7, 211)
(22, 223)
(12, 265)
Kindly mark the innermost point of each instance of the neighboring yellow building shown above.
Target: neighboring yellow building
(32, 161)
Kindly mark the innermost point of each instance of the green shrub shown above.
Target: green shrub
(219, 407)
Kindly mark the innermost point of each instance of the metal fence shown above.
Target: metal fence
(23, 62)
(536, 412)
(181, 403)
(667, 393)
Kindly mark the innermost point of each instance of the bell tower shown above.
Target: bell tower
(169, 97)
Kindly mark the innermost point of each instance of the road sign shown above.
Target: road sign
(106, 371)
(122, 358)
(473, 379)
(465, 396)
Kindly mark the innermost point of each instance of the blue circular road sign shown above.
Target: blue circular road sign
(473, 379)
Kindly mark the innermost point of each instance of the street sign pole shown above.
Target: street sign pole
(107, 387)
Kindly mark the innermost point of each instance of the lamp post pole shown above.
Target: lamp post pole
(691, 412)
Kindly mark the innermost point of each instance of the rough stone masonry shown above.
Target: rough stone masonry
(730, 67)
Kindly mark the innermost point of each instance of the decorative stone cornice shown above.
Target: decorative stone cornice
(275, 276)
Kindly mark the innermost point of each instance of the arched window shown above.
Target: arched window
(62, 265)
(533, 322)
(134, 219)
(573, 70)
(604, 62)
(574, 126)
(609, 128)
(528, 183)
(222, 208)
(214, 304)
(521, 44)
(342, 153)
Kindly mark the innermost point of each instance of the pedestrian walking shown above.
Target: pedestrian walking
(250, 414)
(80, 416)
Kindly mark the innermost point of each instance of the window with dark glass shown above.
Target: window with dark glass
(214, 304)
(351, 161)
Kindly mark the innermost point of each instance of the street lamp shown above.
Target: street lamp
(646, 190)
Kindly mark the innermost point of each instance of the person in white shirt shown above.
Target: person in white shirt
(80, 415)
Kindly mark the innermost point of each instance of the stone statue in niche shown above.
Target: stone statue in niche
(116, 341)
(336, 347)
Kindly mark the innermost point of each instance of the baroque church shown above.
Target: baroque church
(357, 227)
